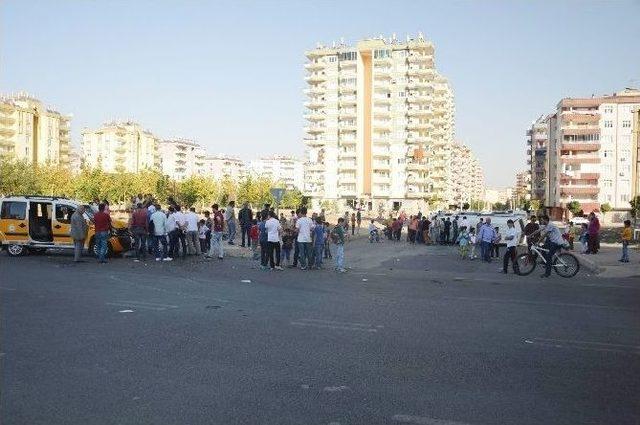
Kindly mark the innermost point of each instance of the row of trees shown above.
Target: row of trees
(22, 178)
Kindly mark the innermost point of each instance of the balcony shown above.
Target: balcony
(589, 176)
(347, 154)
(381, 165)
(315, 90)
(348, 100)
(316, 78)
(578, 146)
(574, 131)
(314, 66)
(315, 104)
(385, 125)
(7, 131)
(381, 112)
(382, 73)
(314, 142)
(348, 64)
(347, 113)
(416, 165)
(418, 112)
(381, 140)
(421, 98)
(314, 166)
(315, 129)
(580, 118)
(417, 125)
(381, 178)
(347, 88)
(568, 190)
(345, 128)
(315, 116)
(7, 119)
(348, 141)
(380, 153)
(579, 159)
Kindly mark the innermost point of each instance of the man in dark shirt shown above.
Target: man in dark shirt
(530, 231)
(245, 217)
(102, 222)
(139, 226)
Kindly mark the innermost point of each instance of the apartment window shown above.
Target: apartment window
(607, 183)
(608, 109)
(332, 58)
(608, 154)
(624, 198)
(608, 124)
(348, 56)
(626, 124)
(402, 94)
(381, 53)
(402, 53)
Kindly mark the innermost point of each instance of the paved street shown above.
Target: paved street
(409, 335)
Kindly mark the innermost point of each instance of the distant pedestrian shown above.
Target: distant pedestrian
(230, 219)
(139, 228)
(358, 219)
(318, 242)
(463, 240)
(485, 237)
(274, 229)
(202, 235)
(287, 246)
(245, 217)
(159, 220)
(192, 232)
(78, 232)
(254, 234)
(305, 226)
(216, 234)
(353, 224)
(594, 234)
(625, 236)
(553, 243)
(338, 239)
(495, 245)
(531, 232)
(584, 238)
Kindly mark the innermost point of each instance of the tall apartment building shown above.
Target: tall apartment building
(380, 124)
(32, 132)
(279, 168)
(221, 166)
(522, 187)
(467, 176)
(537, 141)
(635, 190)
(120, 147)
(591, 151)
(182, 158)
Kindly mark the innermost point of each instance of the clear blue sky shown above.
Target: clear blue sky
(230, 75)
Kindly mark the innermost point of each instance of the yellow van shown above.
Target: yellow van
(32, 224)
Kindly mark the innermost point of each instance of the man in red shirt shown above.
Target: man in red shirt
(139, 226)
(102, 222)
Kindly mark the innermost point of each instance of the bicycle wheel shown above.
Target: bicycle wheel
(526, 263)
(566, 265)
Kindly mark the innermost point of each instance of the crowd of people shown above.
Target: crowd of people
(297, 240)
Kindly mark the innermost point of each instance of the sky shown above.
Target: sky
(230, 74)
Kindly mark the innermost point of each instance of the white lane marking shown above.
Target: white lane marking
(335, 389)
(125, 311)
(345, 328)
(333, 322)
(246, 281)
(143, 307)
(513, 301)
(585, 345)
(422, 420)
(149, 304)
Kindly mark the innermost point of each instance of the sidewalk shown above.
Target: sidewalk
(605, 263)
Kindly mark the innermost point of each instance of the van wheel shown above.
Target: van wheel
(94, 249)
(15, 250)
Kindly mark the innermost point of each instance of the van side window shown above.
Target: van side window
(64, 213)
(14, 210)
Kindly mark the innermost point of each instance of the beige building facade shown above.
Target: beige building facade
(467, 176)
(182, 158)
(280, 168)
(591, 145)
(537, 141)
(30, 131)
(379, 125)
(224, 166)
(120, 147)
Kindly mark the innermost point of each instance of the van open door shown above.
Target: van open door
(62, 224)
(40, 222)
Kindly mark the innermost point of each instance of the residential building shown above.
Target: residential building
(223, 166)
(120, 147)
(30, 131)
(522, 188)
(537, 141)
(499, 195)
(279, 168)
(467, 176)
(592, 148)
(380, 125)
(635, 160)
(75, 159)
(182, 158)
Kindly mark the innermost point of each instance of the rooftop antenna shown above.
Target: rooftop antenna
(420, 36)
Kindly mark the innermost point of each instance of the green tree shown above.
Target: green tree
(534, 205)
(635, 207)
(292, 199)
(574, 207)
(499, 206)
(18, 177)
(466, 206)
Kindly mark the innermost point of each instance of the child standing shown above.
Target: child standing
(626, 240)
(472, 244)
(254, 234)
(463, 242)
(584, 238)
(202, 235)
(287, 245)
(495, 244)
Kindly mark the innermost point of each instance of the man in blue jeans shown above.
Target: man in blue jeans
(102, 223)
(553, 242)
(304, 226)
(486, 235)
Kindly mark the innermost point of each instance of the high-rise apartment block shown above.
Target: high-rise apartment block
(537, 141)
(32, 132)
(120, 147)
(182, 158)
(591, 151)
(380, 124)
(467, 176)
(279, 168)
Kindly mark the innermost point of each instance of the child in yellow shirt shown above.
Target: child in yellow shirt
(626, 239)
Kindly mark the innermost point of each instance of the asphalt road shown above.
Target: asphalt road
(410, 335)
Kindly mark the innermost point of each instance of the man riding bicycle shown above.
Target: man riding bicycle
(553, 242)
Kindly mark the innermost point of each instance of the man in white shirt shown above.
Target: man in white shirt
(159, 220)
(304, 226)
(553, 242)
(274, 228)
(193, 244)
(512, 236)
(171, 226)
(181, 230)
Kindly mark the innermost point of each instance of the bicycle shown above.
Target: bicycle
(565, 264)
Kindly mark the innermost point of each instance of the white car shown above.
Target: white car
(579, 221)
